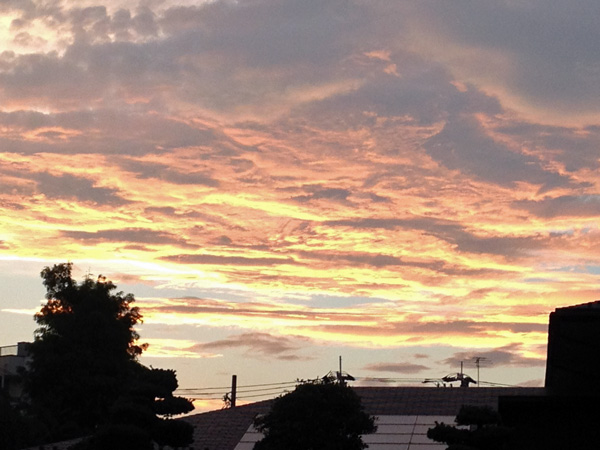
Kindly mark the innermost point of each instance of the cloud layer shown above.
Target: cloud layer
(434, 162)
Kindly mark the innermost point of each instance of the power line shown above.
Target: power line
(240, 387)
(243, 391)
(270, 390)
(262, 391)
(258, 395)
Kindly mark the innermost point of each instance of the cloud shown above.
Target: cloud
(370, 174)
(260, 345)
(509, 356)
(133, 235)
(396, 367)
(454, 233)
(562, 206)
(145, 170)
(463, 145)
(66, 186)
(320, 193)
(227, 260)
(376, 323)
(549, 49)
(383, 261)
(421, 328)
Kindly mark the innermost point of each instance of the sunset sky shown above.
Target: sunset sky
(407, 184)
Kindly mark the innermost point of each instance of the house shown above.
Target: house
(13, 359)
(573, 362)
(568, 415)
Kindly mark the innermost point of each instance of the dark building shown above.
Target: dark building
(13, 359)
(567, 416)
(573, 363)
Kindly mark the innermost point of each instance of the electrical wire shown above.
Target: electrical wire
(271, 390)
(239, 387)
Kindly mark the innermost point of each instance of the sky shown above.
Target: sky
(279, 183)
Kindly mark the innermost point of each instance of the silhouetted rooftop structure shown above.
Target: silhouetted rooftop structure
(573, 362)
(13, 359)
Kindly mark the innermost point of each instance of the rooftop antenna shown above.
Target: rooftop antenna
(461, 376)
(340, 376)
(480, 361)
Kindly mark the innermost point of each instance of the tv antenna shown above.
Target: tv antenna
(340, 375)
(480, 361)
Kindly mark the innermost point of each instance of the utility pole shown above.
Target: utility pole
(233, 390)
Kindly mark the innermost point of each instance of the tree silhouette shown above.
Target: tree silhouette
(484, 431)
(316, 415)
(84, 373)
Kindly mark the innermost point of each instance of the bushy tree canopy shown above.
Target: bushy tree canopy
(317, 415)
(85, 376)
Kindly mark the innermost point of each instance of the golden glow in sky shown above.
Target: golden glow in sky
(409, 184)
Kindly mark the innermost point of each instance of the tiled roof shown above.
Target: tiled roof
(223, 429)
(433, 401)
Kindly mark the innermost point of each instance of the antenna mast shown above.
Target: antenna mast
(480, 361)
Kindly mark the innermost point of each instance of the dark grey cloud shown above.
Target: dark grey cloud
(552, 46)
(323, 193)
(463, 145)
(132, 235)
(210, 59)
(165, 172)
(276, 32)
(378, 260)
(454, 233)
(125, 130)
(400, 367)
(509, 356)
(66, 186)
(574, 148)
(421, 92)
(260, 345)
(162, 210)
(563, 206)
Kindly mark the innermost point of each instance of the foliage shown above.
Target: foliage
(485, 431)
(83, 353)
(85, 376)
(316, 415)
(477, 415)
(117, 437)
(16, 430)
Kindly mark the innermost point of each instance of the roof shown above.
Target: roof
(222, 430)
(444, 401)
(584, 307)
